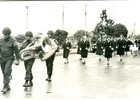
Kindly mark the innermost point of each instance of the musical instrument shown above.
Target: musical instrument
(28, 52)
(45, 50)
(49, 47)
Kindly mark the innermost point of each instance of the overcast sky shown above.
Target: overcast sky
(47, 15)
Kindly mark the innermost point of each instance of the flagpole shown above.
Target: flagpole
(85, 17)
(134, 29)
(133, 32)
(113, 11)
(63, 18)
(27, 7)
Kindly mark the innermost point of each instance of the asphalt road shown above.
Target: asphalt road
(75, 80)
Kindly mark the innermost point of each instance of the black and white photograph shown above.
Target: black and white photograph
(70, 50)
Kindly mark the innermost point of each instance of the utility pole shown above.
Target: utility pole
(27, 7)
(63, 18)
(85, 18)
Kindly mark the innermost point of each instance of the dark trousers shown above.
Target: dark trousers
(49, 64)
(6, 67)
(28, 67)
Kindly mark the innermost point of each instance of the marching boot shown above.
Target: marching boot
(5, 88)
(26, 84)
(30, 84)
(80, 58)
(48, 79)
(65, 62)
(108, 64)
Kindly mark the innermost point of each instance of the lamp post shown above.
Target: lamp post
(63, 18)
(27, 7)
(85, 17)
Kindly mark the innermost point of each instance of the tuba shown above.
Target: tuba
(43, 50)
(49, 47)
(29, 52)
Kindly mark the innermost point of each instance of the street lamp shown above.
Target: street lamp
(27, 7)
(85, 18)
(63, 18)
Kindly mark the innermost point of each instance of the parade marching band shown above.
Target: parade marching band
(107, 47)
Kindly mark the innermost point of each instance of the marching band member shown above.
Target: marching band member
(127, 46)
(108, 49)
(134, 48)
(66, 50)
(114, 43)
(100, 46)
(50, 60)
(138, 45)
(8, 47)
(78, 49)
(121, 47)
(28, 63)
(84, 46)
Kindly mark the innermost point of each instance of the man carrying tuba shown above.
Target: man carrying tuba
(50, 60)
(28, 63)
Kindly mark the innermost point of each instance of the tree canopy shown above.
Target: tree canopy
(107, 27)
(60, 36)
(120, 29)
(79, 34)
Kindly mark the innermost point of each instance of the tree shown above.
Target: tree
(60, 36)
(105, 26)
(94, 39)
(79, 34)
(120, 29)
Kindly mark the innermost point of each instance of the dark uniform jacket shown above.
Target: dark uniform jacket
(127, 46)
(66, 49)
(78, 49)
(84, 45)
(108, 49)
(121, 47)
(99, 45)
(8, 47)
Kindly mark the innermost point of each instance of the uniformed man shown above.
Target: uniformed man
(84, 47)
(66, 50)
(8, 48)
(28, 63)
(121, 47)
(50, 60)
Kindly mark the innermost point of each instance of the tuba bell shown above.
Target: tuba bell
(43, 50)
(49, 47)
(29, 52)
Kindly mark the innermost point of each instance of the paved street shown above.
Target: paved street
(92, 80)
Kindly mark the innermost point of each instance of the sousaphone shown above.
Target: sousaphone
(43, 50)
(49, 47)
